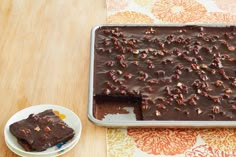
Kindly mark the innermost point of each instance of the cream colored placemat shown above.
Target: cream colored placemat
(171, 142)
(171, 11)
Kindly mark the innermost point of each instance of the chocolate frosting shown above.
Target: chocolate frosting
(180, 73)
(41, 131)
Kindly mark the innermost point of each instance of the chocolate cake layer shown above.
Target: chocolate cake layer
(116, 104)
(180, 73)
(41, 131)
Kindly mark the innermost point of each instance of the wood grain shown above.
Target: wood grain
(44, 58)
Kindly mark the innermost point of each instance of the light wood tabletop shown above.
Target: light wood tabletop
(44, 58)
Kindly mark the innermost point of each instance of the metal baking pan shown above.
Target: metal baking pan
(127, 119)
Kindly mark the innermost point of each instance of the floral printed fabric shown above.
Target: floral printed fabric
(171, 142)
(171, 11)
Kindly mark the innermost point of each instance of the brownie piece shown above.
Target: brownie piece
(180, 72)
(41, 131)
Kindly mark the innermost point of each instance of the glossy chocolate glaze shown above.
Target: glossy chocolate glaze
(41, 131)
(180, 73)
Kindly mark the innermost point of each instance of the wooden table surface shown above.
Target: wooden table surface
(44, 58)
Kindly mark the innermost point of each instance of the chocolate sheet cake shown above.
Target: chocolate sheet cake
(176, 73)
(41, 131)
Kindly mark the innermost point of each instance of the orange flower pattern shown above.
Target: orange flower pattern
(118, 142)
(146, 4)
(163, 141)
(228, 6)
(178, 11)
(129, 17)
(206, 151)
(222, 139)
(114, 5)
(60, 115)
(218, 18)
(169, 11)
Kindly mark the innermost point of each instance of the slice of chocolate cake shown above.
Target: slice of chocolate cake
(177, 72)
(41, 131)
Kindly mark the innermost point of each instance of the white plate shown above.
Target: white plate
(70, 118)
(38, 155)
